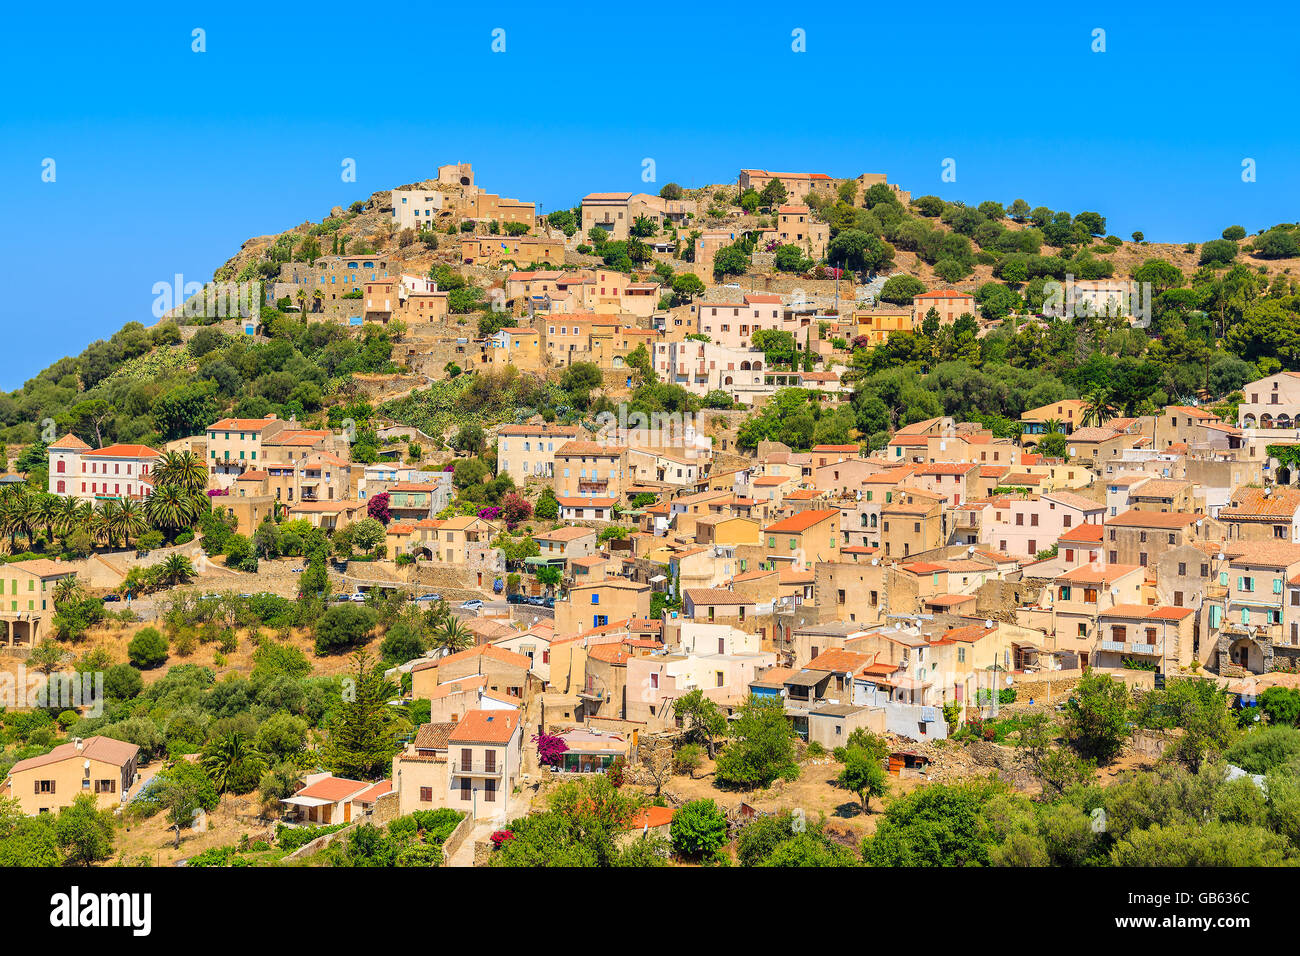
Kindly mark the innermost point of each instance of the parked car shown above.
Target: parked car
(357, 598)
(111, 597)
(429, 597)
(473, 605)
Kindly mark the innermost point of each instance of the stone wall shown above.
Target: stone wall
(457, 837)
(482, 852)
(318, 844)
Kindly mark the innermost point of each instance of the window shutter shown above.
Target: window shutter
(38, 785)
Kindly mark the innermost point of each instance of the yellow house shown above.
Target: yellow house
(27, 600)
(805, 538)
(519, 347)
(726, 530)
(597, 604)
(99, 766)
(878, 324)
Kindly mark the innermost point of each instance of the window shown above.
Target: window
(489, 789)
(426, 794)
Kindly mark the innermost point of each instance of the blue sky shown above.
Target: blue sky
(166, 159)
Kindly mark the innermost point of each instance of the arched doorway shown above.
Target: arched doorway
(1246, 653)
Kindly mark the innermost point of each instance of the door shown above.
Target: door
(347, 812)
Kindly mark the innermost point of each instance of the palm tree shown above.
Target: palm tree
(17, 514)
(182, 469)
(1054, 425)
(131, 521)
(68, 516)
(47, 513)
(453, 636)
(172, 507)
(1099, 407)
(177, 569)
(67, 589)
(106, 521)
(229, 755)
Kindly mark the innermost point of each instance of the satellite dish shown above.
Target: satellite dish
(988, 623)
(1222, 556)
(874, 562)
(971, 549)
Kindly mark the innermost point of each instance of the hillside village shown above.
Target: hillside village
(757, 523)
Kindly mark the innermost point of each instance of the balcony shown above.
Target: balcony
(476, 768)
(1129, 647)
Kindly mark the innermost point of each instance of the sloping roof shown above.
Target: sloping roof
(1070, 499)
(43, 568)
(716, 596)
(242, 424)
(487, 650)
(839, 660)
(434, 736)
(1171, 520)
(1086, 533)
(1090, 575)
(333, 789)
(103, 749)
(565, 534)
(1247, 503)
(124, 451)
(69, 442)
(1094, 434)
(486, 726)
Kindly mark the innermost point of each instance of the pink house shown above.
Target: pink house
(1022, 527)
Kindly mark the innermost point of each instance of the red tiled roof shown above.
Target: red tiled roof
(486, 726)
(334, 789)
(124, 451)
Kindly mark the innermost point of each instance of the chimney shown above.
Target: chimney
(76, 742)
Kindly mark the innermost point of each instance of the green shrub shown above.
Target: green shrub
(147, 649)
